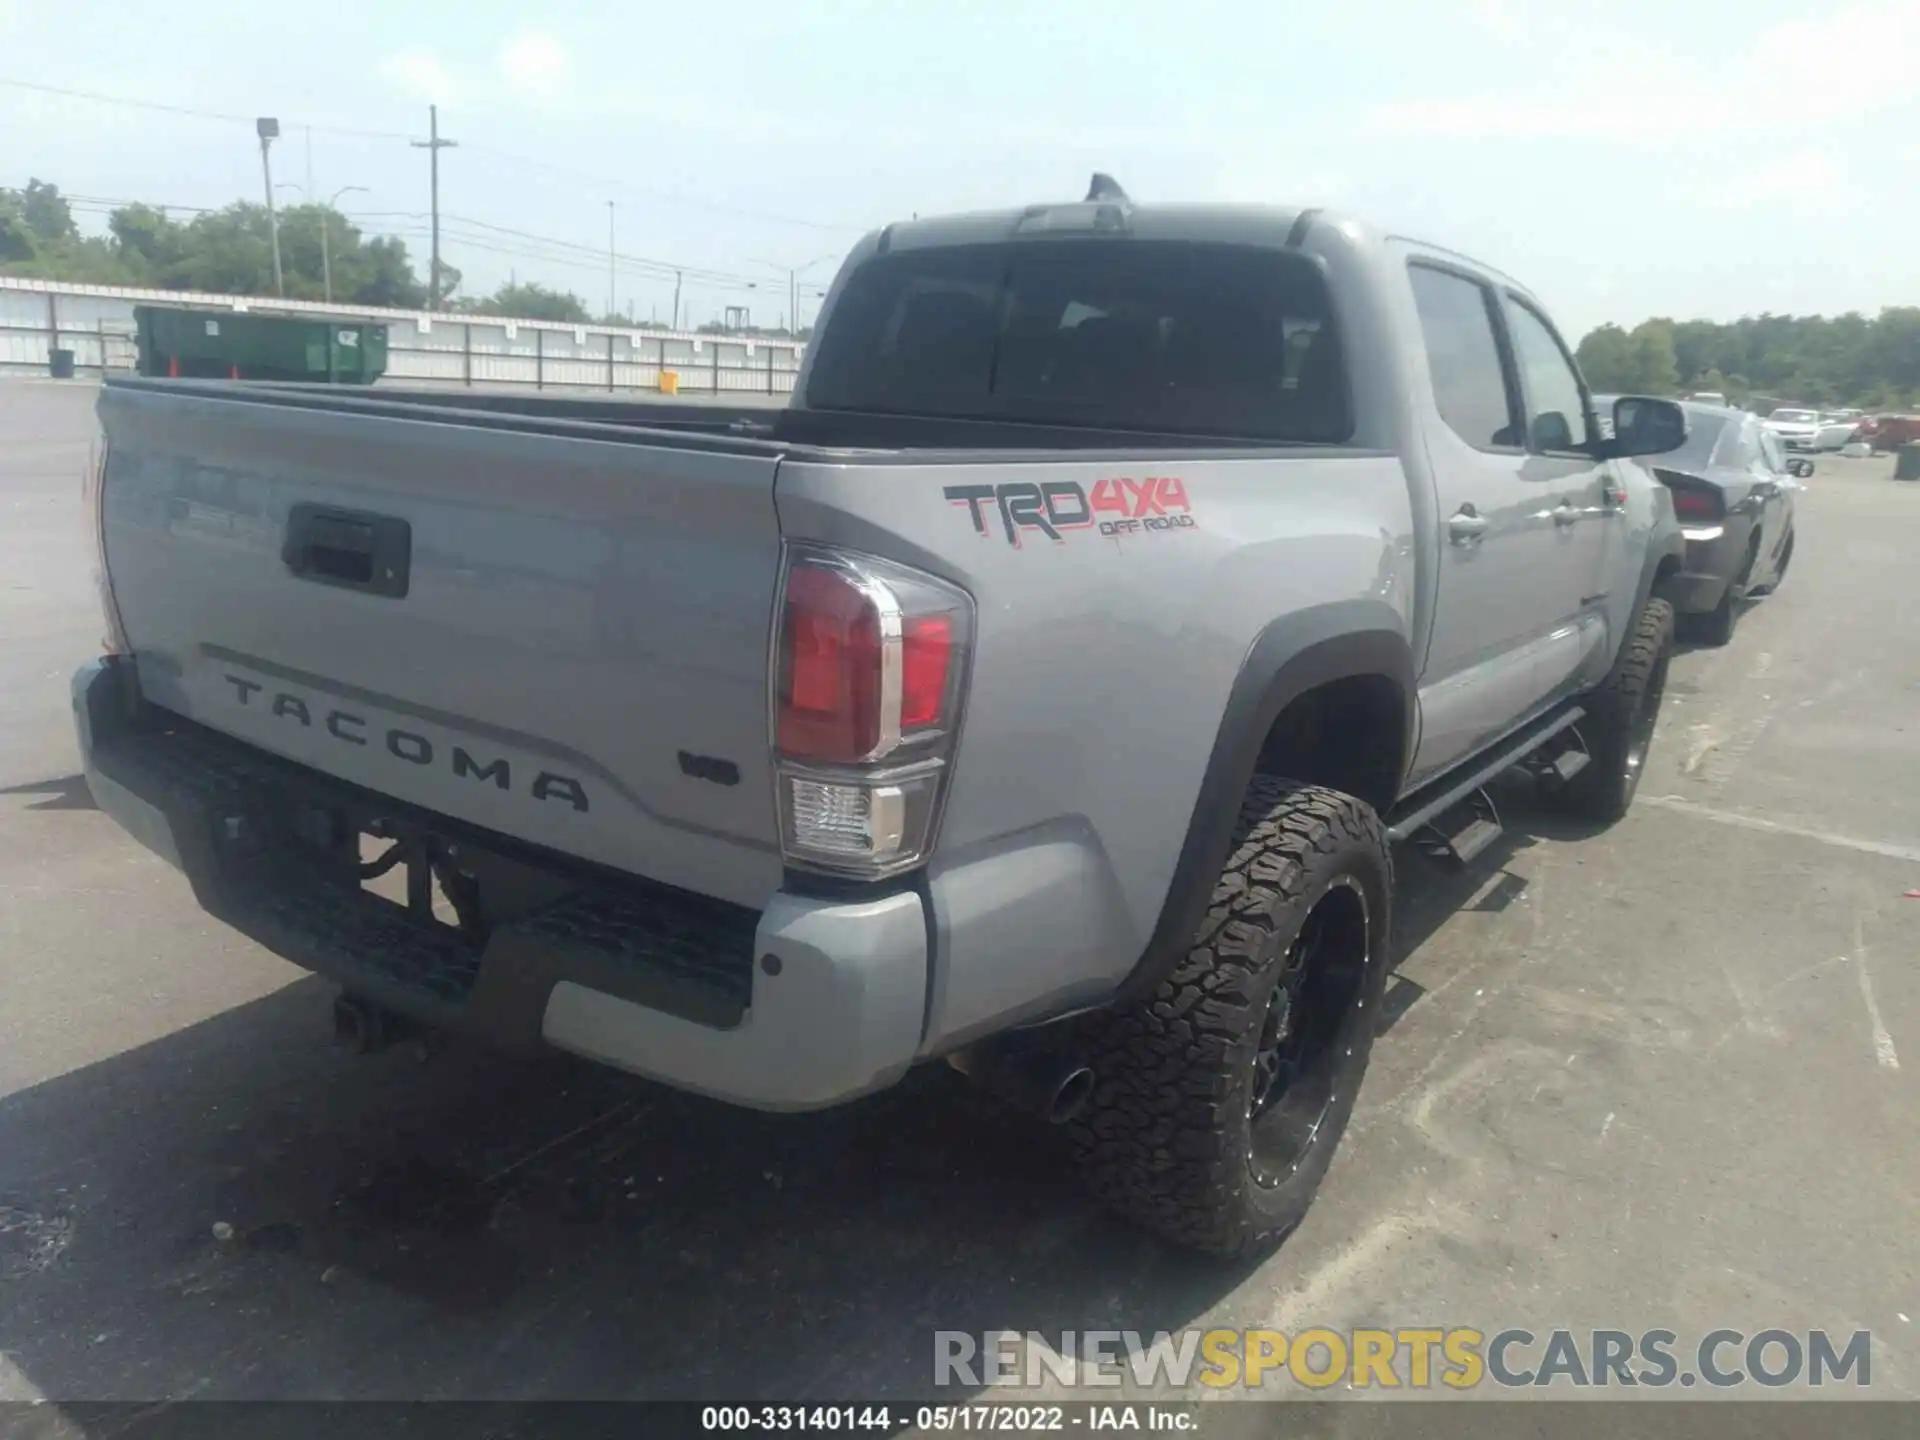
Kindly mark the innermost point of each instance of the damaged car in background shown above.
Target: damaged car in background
(1733, 489)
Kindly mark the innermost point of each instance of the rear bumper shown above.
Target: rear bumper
(1714, 556)
(801, 1006)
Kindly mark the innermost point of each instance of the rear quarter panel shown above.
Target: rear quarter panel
(1101, 672)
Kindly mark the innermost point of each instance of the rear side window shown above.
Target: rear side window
(1469, 383)
(1556, 403)
(1736, 447)
(1170, 336)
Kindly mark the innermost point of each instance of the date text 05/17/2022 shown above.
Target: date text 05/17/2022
(965, 1418)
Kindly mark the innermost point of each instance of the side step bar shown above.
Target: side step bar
(1463, 832)
(1433, 799)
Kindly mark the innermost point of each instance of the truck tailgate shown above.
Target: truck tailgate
(558, 632)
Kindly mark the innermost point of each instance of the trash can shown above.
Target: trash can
(60, 364)
(1906, 465)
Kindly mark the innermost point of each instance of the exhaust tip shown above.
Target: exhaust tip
(1075, 1090)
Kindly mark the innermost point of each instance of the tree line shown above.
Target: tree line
(230, 252)
(224, 252)
(1814, 360)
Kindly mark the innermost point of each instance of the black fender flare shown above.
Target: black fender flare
(1666, 543)
(1296, 653)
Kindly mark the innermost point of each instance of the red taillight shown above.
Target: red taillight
(926, 658)
(1691, 499)
(831, 660)
(867, 687)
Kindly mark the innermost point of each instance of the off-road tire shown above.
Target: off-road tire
(1620, 717)
(1167, 1138)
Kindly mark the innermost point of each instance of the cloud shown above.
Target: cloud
(1502, 19)
(1603, 84)
(1256, 180)
(1808, 179)
(533, 63)
(420, 74)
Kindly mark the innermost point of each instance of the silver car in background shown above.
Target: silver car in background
(1796, 429)
(1733, 490)
(1837, 427)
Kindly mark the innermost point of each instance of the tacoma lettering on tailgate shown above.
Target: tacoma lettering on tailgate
(409, 745)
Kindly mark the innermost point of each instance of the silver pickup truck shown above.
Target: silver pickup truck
(1042, 691)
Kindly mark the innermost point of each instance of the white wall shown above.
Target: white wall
(96, 323)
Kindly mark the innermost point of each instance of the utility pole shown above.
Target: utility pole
(676, 301)
(612, 308)
(433, 145)
(268, 129)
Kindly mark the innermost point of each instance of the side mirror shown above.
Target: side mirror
(1643, 425)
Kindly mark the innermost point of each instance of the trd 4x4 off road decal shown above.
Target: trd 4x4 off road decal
(1053, 507)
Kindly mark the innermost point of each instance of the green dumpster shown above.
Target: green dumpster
(242, 345)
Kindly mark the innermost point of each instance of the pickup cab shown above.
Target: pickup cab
(1042, 691)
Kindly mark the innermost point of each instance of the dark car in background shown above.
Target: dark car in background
(1733, 490)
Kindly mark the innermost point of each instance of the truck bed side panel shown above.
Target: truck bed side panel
(1101, 673)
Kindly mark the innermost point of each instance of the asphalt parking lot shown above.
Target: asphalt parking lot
(1666, 1075)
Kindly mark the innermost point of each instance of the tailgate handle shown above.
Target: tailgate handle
(352, 549)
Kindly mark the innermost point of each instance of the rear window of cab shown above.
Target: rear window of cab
(1178, 337)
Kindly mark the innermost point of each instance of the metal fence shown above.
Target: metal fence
(38, 317)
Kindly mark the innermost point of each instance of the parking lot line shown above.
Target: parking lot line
(1684, 806)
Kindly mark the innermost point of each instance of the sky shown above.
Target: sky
(1623, 159)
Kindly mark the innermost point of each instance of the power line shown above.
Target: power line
(187, 110)
(599, 182)
(460, 228)
(454, 225)
(667, 196)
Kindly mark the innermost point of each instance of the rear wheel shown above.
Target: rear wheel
(1219, 1099)
(1716, 626)
(1621, 716)
(1780, 570)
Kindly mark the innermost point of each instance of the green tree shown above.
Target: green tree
(1638, 362)
(35, 222)
(47, 213)
(1872, 362)
(1605, 359)
(1654, 366)
(529, 301)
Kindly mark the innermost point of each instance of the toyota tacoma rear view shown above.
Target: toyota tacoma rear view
(1043, 691)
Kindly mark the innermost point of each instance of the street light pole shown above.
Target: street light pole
(268, 129)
